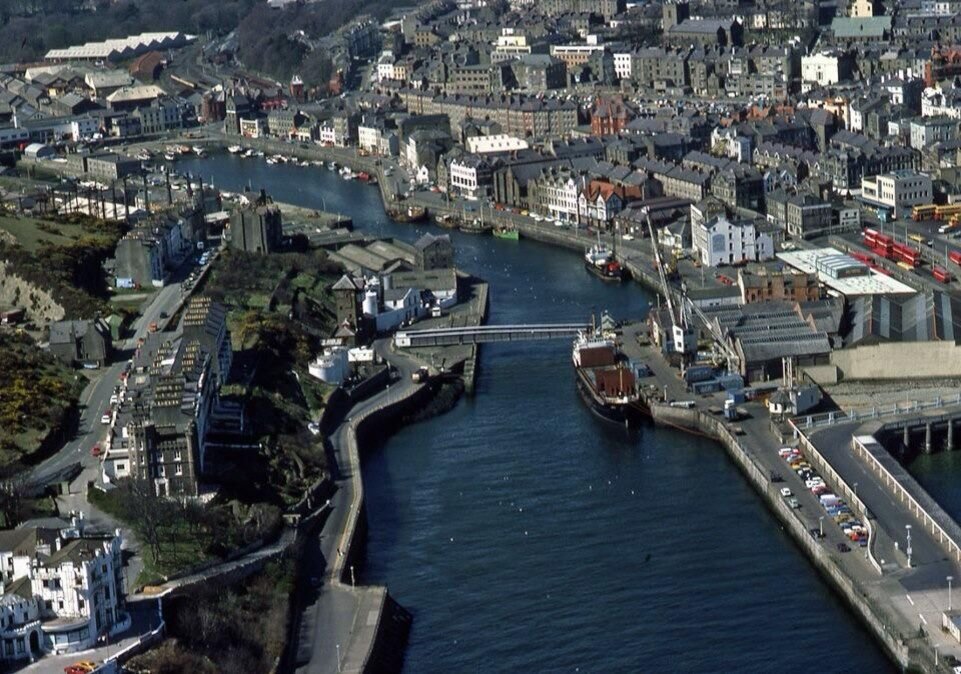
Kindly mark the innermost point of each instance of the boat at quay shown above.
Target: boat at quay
(470, 519)
(605, 380)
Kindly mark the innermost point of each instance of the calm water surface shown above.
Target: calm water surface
(525, 534)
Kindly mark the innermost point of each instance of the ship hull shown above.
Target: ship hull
(615, 414)
(603, 275)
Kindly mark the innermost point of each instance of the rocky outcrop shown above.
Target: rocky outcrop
(38, 303)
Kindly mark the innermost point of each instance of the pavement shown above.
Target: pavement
(339, 624)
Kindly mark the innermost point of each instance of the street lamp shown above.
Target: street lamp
(821, 525)
(855, 490)
(908, 527)
(338, 657)
(950, 578)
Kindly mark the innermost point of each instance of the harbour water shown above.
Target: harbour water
(525, 534)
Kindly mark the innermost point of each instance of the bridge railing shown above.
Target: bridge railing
(808, 421)
(486, 333)
(947, 542)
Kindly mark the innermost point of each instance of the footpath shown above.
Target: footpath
(340, 627)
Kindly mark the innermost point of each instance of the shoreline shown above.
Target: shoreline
(854, 597)
(686, 421)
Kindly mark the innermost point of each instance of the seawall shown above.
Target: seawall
(855, 595)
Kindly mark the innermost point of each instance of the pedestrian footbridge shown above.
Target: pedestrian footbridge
(483, 334)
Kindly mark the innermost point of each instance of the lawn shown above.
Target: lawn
(32, 233)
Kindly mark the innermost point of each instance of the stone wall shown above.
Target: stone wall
(899, 360)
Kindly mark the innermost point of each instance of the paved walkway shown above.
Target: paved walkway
(339, 625)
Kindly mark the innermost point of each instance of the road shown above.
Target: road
(340, 614)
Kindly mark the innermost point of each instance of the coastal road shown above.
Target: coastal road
(341, 614)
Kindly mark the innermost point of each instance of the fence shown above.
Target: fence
(876, 412)
(944, 539)
(840, 485)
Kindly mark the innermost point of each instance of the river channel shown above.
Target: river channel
(525, 534)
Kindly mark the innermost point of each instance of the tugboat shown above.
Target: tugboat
(599, 260)
(604, 380)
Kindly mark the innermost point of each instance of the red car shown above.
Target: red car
(95, 450)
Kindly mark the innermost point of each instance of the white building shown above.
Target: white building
(898, 191)
(822, 69)
(623, 65)
(470, 175)
(720, 241)
(558, 193)
(498, 142)
(385, 66)
(332, 366)
(937, 103)
(62, 590)
(509, 45)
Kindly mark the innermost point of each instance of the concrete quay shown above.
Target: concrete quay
(901, 604)
(343, 627)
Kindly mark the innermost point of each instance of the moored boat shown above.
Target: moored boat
(605, 381)
(508, 232)
(409, 214)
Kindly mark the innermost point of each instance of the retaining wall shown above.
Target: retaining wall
(857, 598)
(900, 361)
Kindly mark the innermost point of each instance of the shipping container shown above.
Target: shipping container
(697, 373)
(730, 381)
(702, 387)
(737, 396)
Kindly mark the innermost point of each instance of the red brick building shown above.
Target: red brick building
(610, 115)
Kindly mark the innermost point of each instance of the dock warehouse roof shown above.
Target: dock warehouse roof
(823, 261)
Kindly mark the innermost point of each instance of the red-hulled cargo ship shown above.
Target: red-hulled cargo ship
(604, 380)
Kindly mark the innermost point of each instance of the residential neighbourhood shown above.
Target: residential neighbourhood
(202, 317)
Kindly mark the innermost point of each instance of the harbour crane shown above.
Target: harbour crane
(720, 343)
(683, 336)
(685, 339)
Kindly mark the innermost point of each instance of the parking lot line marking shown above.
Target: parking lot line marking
(922, 619)
(909, 599)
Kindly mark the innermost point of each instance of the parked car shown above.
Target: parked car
(786, 492)
(105, 418)
(843, 547)
(794, 503)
